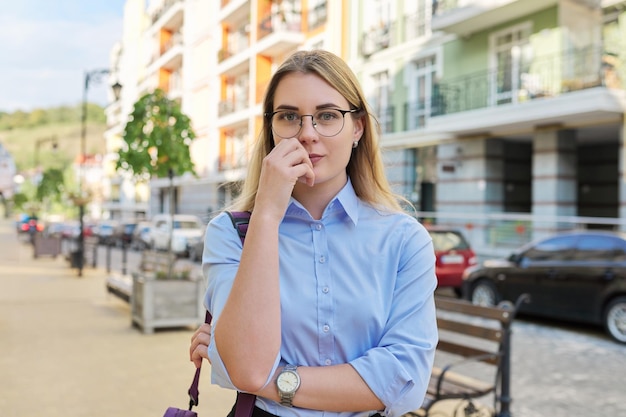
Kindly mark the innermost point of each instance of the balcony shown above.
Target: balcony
(465, 17)
(577, 87)
(234, 11)
(318, 15)
(279, 33)
(169, 16)
(227, 107)
(386, 119)
(376, 39)
(237, 41)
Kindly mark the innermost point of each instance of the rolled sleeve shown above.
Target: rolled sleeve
(398, 370)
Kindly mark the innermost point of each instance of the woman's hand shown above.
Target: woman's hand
(200, 345)
(285, 165)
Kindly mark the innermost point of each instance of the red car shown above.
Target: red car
(454, 254)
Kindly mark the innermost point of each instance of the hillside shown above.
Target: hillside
(27, 140)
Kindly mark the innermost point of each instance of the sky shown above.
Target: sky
(47, 45)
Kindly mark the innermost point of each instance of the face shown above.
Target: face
(306, 94)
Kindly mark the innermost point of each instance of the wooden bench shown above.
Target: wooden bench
(473, 357)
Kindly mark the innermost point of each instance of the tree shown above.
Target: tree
(51, 185)
(156, 139)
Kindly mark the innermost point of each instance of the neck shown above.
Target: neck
(315, 199)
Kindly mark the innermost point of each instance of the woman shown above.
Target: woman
(334, 279)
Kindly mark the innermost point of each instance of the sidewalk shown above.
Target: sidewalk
(68, 349)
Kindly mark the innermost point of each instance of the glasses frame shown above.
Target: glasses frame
(270, 116)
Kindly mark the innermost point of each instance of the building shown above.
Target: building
(502, 117)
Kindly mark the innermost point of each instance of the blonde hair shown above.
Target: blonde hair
(365, 168)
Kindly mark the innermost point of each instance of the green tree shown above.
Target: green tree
(19, 201)
(51, 185)
(156, 139)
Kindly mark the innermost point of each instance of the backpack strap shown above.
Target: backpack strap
(240, 221)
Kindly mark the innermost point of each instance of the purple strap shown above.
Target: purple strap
(245, 402)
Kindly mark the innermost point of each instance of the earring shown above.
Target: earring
(355, 144)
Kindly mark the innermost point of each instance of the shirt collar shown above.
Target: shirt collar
(345, 200)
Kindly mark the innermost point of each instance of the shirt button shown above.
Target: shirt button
(318, 227)
(328, 362)
(325, 290)
(326, 328)
(322, 259)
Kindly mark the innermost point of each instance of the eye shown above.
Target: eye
(327, 115)
(288, 116)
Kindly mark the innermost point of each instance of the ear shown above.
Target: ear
(358, 128)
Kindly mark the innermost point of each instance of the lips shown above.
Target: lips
(315, 158)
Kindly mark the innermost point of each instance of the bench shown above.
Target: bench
(473, 356)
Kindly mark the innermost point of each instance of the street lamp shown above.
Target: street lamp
(90, 77)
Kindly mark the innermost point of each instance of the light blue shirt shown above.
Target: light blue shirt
(356, 287)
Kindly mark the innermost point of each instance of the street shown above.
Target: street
(72, 353)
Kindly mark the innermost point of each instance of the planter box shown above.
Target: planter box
(157, 303)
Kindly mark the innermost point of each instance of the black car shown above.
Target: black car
(577, 276)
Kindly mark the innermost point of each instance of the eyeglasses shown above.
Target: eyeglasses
(326, 122)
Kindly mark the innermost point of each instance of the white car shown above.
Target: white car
(187, 228)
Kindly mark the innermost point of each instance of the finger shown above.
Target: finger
(199, 354)
(308, 177)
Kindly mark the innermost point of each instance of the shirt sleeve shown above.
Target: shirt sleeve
(398, 369)
(220, 261)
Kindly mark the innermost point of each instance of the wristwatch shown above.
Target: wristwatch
(288, 382)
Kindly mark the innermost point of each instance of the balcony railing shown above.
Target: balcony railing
(280, 21)
(228, 106)
(540, 78)
(386, 119)
(167, 4)
(442, 6)
(318, 15)
(376, 39)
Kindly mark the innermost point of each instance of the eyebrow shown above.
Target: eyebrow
(318, 107)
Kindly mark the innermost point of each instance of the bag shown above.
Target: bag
(245, 402)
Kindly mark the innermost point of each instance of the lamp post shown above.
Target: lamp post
(40, 142)
(90, 77)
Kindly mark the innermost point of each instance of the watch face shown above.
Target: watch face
(288, 381)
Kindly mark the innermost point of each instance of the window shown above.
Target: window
(599, 248)
(554, 249)
(423, 93)
(512, 54)
(380, 101)
(417, 19)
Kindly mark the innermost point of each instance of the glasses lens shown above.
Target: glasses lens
(328, 122)
(287, 124)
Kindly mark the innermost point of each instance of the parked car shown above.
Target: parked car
(104, 231)
(453, 254)
(196, 247)
(28, 224)
(140, 238)
(186, 228)
(577, 276)
(123, 233)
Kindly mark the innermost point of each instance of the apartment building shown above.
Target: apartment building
(215, 58)
(531, 95)
(485, 106)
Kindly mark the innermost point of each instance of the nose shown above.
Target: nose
(307, 130)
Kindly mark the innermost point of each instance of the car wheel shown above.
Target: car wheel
(484, 293)
(615, 319)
